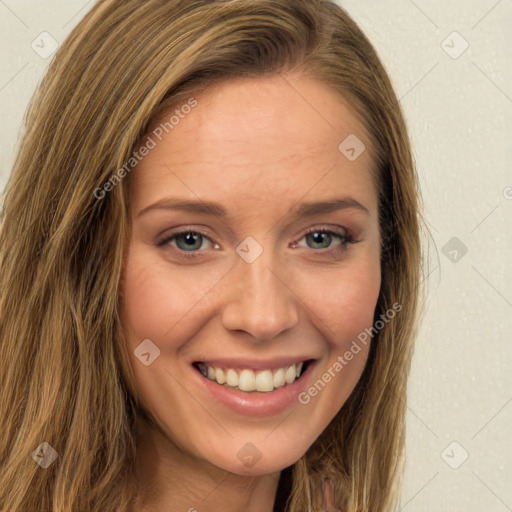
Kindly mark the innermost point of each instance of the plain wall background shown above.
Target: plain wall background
(459, 109)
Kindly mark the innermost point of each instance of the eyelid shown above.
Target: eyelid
(339, 230)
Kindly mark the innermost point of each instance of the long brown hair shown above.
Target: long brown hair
(64, 373)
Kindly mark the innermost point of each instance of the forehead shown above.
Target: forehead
(257, 138)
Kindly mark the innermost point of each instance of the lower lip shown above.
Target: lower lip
(256, 403)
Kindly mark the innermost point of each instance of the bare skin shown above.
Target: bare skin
(258, 148)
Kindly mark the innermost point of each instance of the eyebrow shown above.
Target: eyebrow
(209, 207)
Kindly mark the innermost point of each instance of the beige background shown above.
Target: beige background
(459, 109)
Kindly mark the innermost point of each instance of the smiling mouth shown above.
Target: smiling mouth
(249, 380)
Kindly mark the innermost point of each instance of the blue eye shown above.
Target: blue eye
(186, 241)
(322, 236)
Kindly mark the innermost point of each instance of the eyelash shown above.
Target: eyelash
(345, 238)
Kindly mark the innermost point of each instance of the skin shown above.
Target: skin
(258, 147)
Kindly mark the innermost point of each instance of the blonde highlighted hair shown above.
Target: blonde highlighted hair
(64, 374)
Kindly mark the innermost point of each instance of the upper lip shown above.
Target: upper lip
(261, 364)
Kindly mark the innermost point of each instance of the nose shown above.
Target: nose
(260, 299)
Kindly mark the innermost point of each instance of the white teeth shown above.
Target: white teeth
(231, 378)
(219, 375)
(248, 380)
(264, 381)
(279, 378)
(291, 374)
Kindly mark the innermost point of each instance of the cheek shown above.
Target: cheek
(161, 307)
(156, 303)
(356, 302)
(344, 301)
(144, 308)
(344, 304)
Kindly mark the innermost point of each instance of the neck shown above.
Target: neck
(173, 480)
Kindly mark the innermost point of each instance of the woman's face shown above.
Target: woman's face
(228, 272)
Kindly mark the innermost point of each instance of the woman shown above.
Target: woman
(172, 337)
